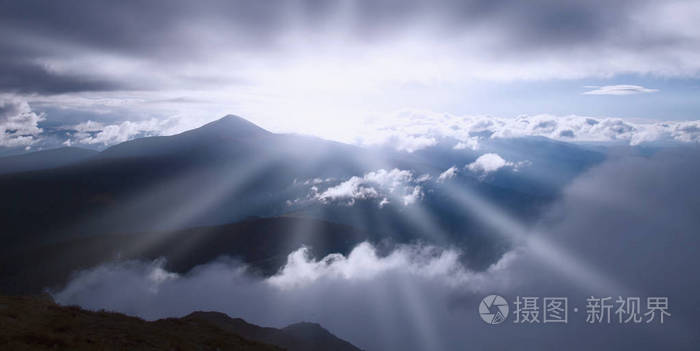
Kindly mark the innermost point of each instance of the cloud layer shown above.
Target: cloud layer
(91, 132)
(467, 132)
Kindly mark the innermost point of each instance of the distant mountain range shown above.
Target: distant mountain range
(33, 323)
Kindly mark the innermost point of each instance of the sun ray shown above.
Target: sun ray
(543, 249)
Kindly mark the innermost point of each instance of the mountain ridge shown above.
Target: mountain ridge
(211, 137)
(301, 336)
(38, 323)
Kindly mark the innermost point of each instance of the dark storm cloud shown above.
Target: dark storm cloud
(21, 76)
(176, 31)
(36, 32)
(139, 27)
(8, 109)
(528, 24)
(546, 23)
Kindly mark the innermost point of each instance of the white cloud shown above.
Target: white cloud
(488, 163)
(316, 181)
(91, 132)
(469, 143)
(410, 143)
(351, 189)
(364, 263)
(413, 196)
(18, 123)
(447, 174)
(424, 178)
(381, 184)
(620, 90)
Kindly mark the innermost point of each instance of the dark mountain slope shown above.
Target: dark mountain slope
(222, 172)
(44, 159)
(296, 337)
(39, 324)
(228, 135)
(317, 338)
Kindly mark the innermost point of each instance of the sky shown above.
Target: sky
(95, 73)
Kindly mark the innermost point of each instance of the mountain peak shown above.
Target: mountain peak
(227, 129)
(232, 119)
(233, 125)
